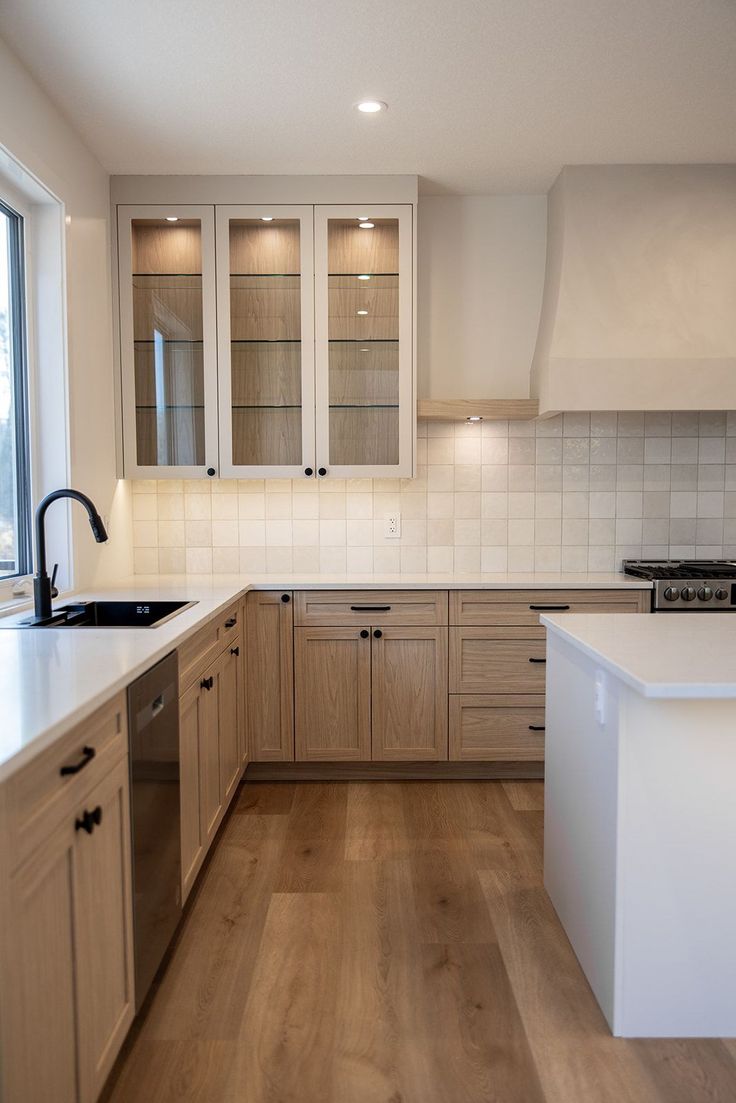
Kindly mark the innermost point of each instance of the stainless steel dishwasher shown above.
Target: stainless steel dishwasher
(153, 723)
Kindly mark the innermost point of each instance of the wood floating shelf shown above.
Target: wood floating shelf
(490, 409)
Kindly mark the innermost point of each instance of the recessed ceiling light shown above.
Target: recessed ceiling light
(267, 218)
(362, 312)
(172, 218)
(366, 225)
(474, 417)
(371, 107)
(363, 277)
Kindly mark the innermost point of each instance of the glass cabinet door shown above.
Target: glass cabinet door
(168, 350)
(365, 392)
(266, 340)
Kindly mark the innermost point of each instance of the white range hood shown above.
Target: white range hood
(639, 307)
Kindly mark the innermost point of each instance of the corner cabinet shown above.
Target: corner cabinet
(290, 356)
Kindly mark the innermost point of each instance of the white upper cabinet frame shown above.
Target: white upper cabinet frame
(407, 398)
(224, 216)
(205, 214)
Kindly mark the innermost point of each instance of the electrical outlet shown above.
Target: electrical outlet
(392, 525)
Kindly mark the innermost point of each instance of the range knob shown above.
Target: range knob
(705, 593)
(671, 593)
(688, 593)
(721, 595)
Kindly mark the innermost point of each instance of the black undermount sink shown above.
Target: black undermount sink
(107, 614)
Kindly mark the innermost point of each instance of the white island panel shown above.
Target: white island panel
(640, 819)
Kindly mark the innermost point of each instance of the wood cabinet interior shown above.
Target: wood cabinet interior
(265, 341)
(168, 341)
(363, 335)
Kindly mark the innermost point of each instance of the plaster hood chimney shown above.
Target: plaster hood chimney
(639, 305)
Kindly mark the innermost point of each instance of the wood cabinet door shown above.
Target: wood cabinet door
(270, 676)
(191, 739)
(409, 700)
(228, 716)
(39, 1027)
(332, 694)
(210, 769)
(103, 923)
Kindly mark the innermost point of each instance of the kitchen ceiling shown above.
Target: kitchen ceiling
(484, 95)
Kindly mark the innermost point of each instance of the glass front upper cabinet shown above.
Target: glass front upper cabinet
(266, 340)
(168, 344)
(364, 373)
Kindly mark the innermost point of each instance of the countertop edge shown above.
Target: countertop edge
(653, 690)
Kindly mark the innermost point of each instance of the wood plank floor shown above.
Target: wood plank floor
(389, 942)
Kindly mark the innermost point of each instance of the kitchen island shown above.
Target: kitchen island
(640, 815)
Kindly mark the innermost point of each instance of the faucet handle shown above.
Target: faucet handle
(54, 591)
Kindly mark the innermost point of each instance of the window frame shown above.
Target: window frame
(20, 310)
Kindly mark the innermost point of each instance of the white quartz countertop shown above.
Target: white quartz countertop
(53, 678)
(668, 655)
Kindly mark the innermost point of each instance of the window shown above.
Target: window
(15, 486)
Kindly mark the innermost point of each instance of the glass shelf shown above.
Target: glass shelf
(170, 406)
(266, 341)
(168, 341)
(167, 275)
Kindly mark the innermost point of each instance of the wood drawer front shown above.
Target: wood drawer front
(203, 648)
(489, 728)
(40, 796)
(487, 662)
(496, 608)
(364, 608)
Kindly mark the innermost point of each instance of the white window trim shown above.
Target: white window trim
(45, 274)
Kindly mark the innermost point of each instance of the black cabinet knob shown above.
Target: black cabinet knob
(207, 683)
(286, 598)
(377, 634)
(322, 471)
(211, 471)
(234, 650)
(89, 820)
(364, 634)
(308, 471)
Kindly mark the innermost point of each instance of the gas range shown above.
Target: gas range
(688, 585)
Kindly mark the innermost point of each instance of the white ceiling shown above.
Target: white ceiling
(484, 95)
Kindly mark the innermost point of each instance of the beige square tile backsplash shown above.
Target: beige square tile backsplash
(577, 492)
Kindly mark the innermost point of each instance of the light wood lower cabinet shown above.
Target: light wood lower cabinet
(67, 958)
(332, 694)
(496, 728)
(371, 693)
(210, 719)
(485, 660)
(270, 676)
(409, 680)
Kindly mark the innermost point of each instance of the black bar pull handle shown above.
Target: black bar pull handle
(88, 753)
(537, 728)
(537, 660)
(549, 607)
(234, 650)
(370, 608)
(207, 683)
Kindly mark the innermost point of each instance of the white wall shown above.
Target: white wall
(37, 135)
(480, 279)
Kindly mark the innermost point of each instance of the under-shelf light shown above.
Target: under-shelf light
(267, 218)
(474, 417)
(362, 312)
(363, 277)
(366, 225)
(364, 350)
(172, 218)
